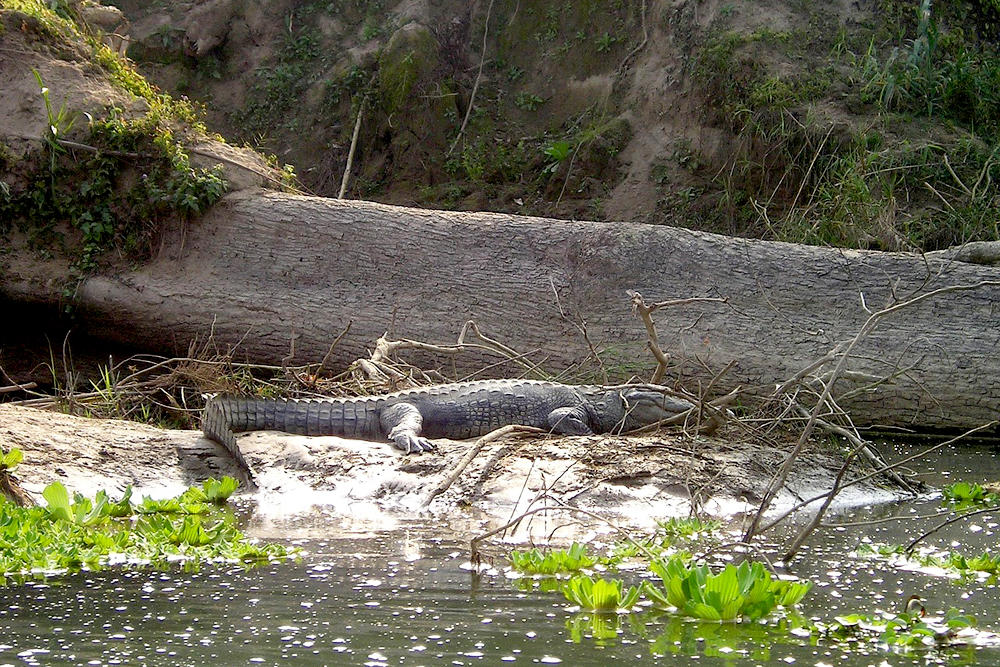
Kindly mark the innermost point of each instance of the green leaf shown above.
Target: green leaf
(218, 491)
(956, 619)
(630, 597)
(57, 497)
(191, 532)
(11, 459)
(675, 592)
(123, 507)
(656, 595)
(606, 594)
(707, 612)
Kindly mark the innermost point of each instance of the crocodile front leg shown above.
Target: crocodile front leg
(402, 422)
(571, 421)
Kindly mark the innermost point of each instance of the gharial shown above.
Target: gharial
(455, 411)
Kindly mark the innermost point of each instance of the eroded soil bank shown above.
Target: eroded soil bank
(634, 480)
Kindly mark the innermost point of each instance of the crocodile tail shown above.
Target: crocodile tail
(216, 424)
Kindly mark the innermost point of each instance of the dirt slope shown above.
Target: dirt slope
(790, 120)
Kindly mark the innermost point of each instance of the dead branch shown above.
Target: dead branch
(582, 328)
(644, 312)
(880, 471)
(965, 515)
(569, 172)
(354, 145)
(242, 165)
(716, 416)
(642, 44)
(818, 516)
(333, 346)
(383, 368)
(863, 447)
(873, 320)
(484, 474)
(475, 86)
(560, 506)
(18, 387)
(735, 546)
(473, 452)
(887, 519)
(10, 489)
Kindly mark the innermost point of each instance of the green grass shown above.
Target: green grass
(928, 95)
(279, 86)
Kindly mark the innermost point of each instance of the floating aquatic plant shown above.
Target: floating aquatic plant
(963, 495)
(557, 561)
(72, 534)
(668, 534)
(602, 627)
(743, 592)
(951, 561)
(605, 595)
(907, 629)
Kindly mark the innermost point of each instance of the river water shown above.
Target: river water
(406, 596)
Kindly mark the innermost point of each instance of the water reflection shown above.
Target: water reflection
(399, 598)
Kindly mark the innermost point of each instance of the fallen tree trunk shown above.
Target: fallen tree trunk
(262, 268)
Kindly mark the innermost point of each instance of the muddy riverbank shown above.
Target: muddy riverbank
(637, 479)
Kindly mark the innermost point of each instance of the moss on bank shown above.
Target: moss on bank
(108, 177)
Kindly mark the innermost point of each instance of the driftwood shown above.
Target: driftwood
(262, 268)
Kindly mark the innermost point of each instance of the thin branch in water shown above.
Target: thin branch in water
(779, 481)
(965, 515)
(864, 478)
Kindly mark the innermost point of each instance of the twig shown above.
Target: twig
(473, 453)
(864, 478)
(863, 447)
(779, 480)
(83, 147)
(560, 506)
(644, 311)
(10, 489)
(965, 515)
(497, 456)
(496, 347)
(645, 39)
(18, 387)
(887, 519)
(582, 328)
(818, 516)
(740, 545)
(569, 171)
(222, 158)
(354, 145)
(475, 86)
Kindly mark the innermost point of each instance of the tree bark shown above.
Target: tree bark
(262, 267)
